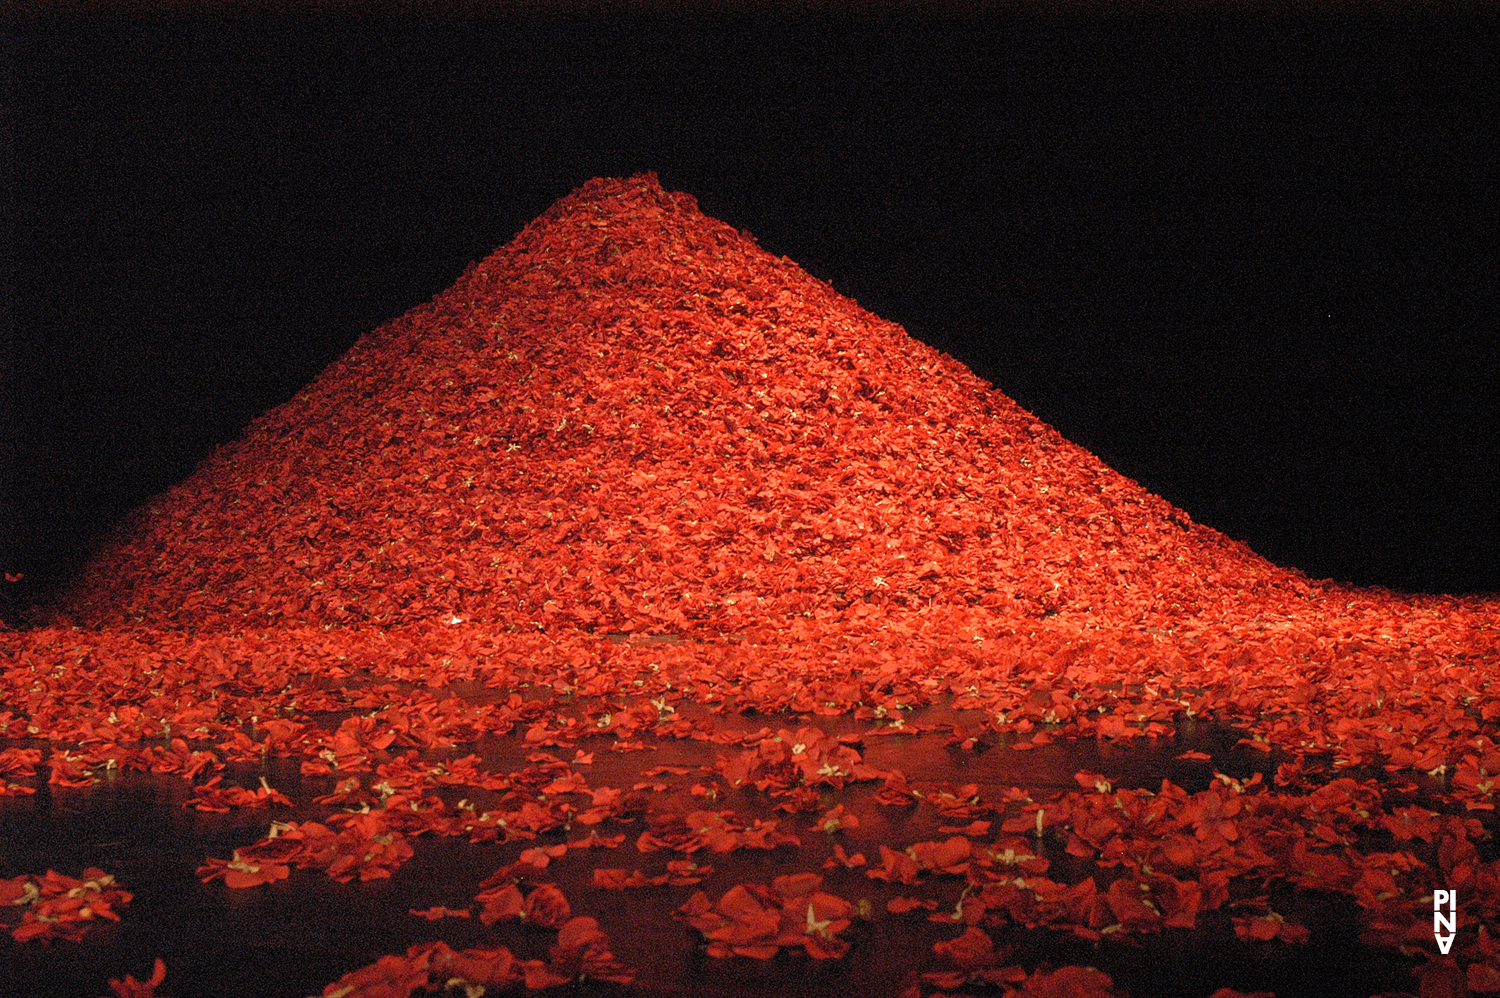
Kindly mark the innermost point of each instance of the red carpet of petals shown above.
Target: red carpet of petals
(634, 485)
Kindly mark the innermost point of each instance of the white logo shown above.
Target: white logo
(1444, 918)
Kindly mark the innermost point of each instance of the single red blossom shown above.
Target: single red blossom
(796, 885)
(950, 856)
(540, 975)
(438, 912)
(1133, 907)
(842, 858)
(1180, 850)
(1290, 774)
(1407, 823)
(613, 879)
(836, 819)
(1482, 975)
(826, 917)
(1271, 925)
(1011, 851)
(1483, 978)
(1320, 870)
(240, 747)
(1212, 813)
(1114, 726)
(593, 840)
(57, 906)
(1032, 819)
(972, 951)
(895, 867)
(210, 796)
(1179, 901)
(582, 951)
(132, 988)
(685, 871)
(539, 857)
(178, 758)
(1484, 948)
(500, 904)
(811, 917)
(947, 980)
(974, 829)
(739, 923)
(486, 968)
(1068, 982)
(1441, 977)
(954, 802)
(798, 799)
(238, 872)
(18, 891)
(667, 771)
(280, 734)
(392, 976)
(756, 921)
(368, 849)
(1092, 781)
(546, 906)
(896, 792)
(902, 905)
(35, 927)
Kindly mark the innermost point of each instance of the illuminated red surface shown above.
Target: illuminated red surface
(643, 565)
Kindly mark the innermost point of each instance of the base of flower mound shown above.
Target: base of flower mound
(383, 835)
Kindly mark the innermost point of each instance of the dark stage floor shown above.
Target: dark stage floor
(290, 938)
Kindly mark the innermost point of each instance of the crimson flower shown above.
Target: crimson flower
(547, 907)
(1271, 925)
(132, 988)
(238, 872)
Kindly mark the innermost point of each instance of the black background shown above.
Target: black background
(1246, 258)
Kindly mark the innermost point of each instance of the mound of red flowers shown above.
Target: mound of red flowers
(632, 463)
(632, 418)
